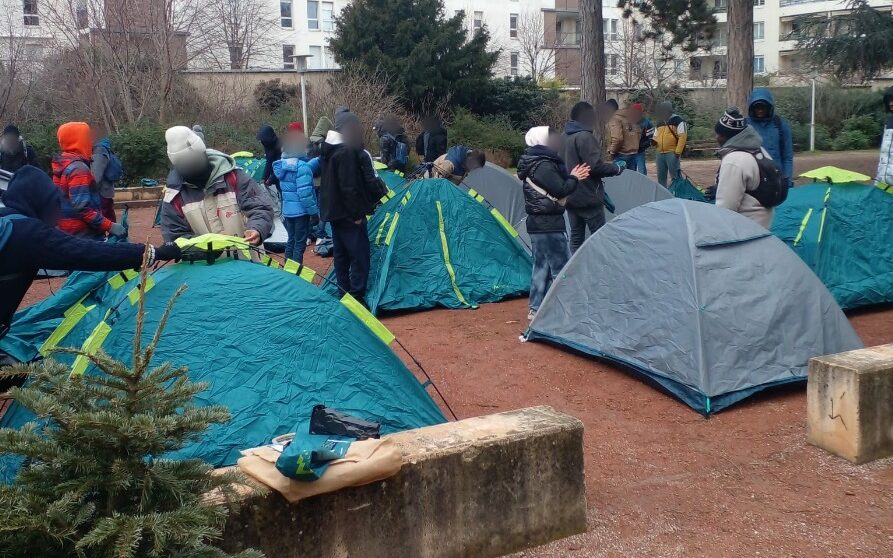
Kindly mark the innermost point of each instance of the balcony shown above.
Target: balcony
(569, 39)
(783, 3)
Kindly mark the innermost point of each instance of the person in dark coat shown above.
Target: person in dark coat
(272, 152)
(432, 142)
(348, 191)
(14, 152)
(30, 241)
(547, 185)
(585, 207)
(773, 129)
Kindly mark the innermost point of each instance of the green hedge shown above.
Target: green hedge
(489, 133)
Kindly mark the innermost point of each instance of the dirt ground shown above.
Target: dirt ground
(661, 481)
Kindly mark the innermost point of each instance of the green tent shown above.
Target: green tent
(246, 161)
(434, 244)
(842, 231)
(392, 180)
(270, 343)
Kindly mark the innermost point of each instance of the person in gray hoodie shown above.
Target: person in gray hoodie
(207, 193)
(739, 173)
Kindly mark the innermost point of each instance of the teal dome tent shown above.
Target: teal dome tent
(270, 343)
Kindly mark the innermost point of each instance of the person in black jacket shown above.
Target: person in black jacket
(14, 152)
(348, 191)
(547, 185)
(432, 142)
(585, 208)
(272, 153)
(30, 241)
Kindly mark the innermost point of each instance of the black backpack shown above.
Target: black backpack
(772, 190)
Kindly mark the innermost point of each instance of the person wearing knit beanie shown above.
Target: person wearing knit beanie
(730, 124)
(186, 150)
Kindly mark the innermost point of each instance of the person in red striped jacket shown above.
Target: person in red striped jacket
(81, 202)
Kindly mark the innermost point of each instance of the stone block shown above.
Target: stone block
(850, 403)
(480, 487)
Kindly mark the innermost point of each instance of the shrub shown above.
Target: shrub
(850, 139)
(867, 125)
(800, 133)
(42, 137)
(142, 150)
(489, 133)
(273, 95)
(519, 100)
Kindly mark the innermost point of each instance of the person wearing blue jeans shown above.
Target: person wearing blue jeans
(547, 185)
(299, 205)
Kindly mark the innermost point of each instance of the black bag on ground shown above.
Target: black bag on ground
(334, 423)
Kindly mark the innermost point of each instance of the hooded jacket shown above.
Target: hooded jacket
(580, 147)
(885, 163)
(349, 188)
(431, 144)
(21, 156)
(296, 182)
(272, 152)
(739, 173)
(228, 202)
(545, 169)
(102, 154)
(775, 131)
(625, 134)
(81, 203)
(671, 132)
(29, 241)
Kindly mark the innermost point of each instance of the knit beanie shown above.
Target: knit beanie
(345, 118)
(11, 129)
(199, 131)
(731, 123)
(185, 149)
(295, 127)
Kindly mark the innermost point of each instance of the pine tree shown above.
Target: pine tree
(95, 481)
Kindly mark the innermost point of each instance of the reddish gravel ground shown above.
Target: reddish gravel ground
(660, 479)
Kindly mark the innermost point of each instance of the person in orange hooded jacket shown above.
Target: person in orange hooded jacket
(81, 203)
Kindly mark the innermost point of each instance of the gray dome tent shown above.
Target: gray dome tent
(503, 191)
(697, 299)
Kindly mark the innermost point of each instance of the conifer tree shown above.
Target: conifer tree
(94, 480)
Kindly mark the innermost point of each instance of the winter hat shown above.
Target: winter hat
(538, 135)
(613, 104)
(731, 123)
(185, 148)
(637, 107)
(344, 118)
(32, 194)
(295, 127)
(11, 129)
(199, 131)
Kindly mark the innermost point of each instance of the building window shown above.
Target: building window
(288, 57)
(29, 9)
(721, 5)
(758, 3)
(312, 14)
(759, 65)
(609, 26)
(611, 64)
(315, 62)
(285, 13)
(478, 21)
(513, 61)
(513, 26)
(328, 16)
(759, 30)
(82, 15)
(721, 38)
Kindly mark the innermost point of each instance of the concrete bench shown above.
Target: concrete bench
(480, 487)
(850, 403)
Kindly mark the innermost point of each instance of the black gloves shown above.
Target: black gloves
(169, 251)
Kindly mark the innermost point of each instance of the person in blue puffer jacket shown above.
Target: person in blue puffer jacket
(299, 204)
(775, 130)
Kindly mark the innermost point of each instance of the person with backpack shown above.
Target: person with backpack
(295, 173)
(586, 206)
(393, 143)
(81, 203)
(30, 241)
(432, 142)
(107, 171)
(625, 135)
(644, 141)
(670, 136)
(272, 153)
(15, 153)
(207, 193)
(740, 174)
(547, 185)
(775, 130)
(884, 176)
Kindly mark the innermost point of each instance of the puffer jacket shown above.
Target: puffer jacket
(885, 163)
(545, 168)
(625, 134)
(81, 203)
(774, 130)
(296, 182)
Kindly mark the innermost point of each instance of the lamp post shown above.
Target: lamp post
(814, 75)
(301, 68)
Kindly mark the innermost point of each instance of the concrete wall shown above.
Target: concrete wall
(236, 87)
(481, 487)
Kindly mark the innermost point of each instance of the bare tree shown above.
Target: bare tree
(20, 61)
(740, 57)
(537, 57)
(238, 33)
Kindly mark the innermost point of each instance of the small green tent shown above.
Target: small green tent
(434, 244)
(842, 232)
(246, 161)
(270, 343)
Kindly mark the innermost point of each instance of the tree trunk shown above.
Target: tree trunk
(740, 57)
(593, 55)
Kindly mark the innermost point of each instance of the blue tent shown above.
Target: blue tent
(270, 343)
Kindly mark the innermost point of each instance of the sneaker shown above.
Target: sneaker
(531, 314)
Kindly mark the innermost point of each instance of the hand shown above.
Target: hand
(118, 230)
(581, 172)
(252, 236)
(358, 222)
(169, 251)
(621, 166)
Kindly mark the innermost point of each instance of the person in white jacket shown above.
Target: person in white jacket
(885, 163)
(739, 173)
